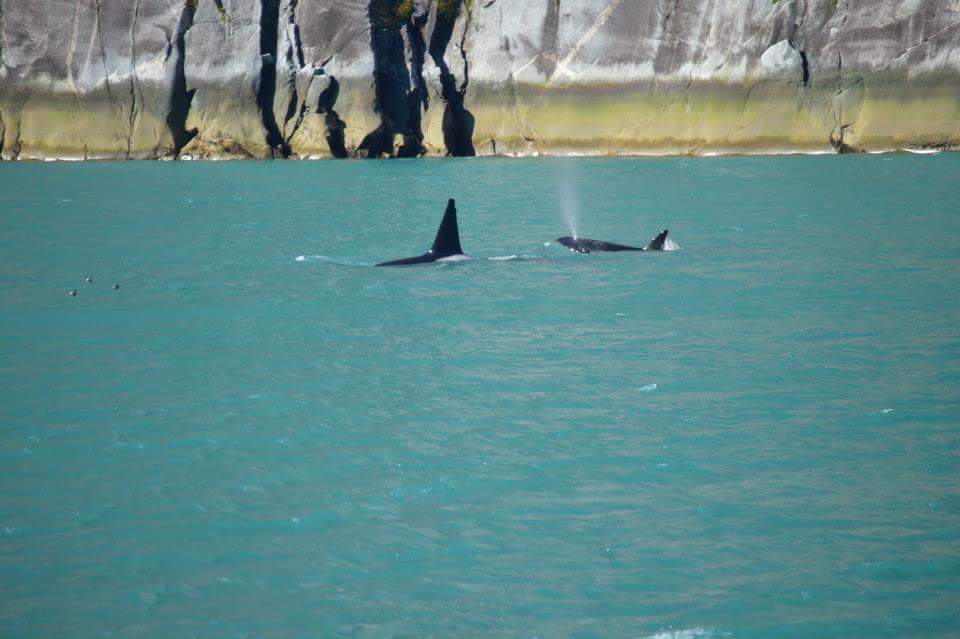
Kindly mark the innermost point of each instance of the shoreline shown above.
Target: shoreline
(865, 113)
(653, 155)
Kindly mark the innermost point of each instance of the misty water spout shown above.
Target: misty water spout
(569, 192)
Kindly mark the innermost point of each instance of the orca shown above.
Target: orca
(584, 245)
(446, 246)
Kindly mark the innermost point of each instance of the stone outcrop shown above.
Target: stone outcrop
(379, 78)
(88, 78)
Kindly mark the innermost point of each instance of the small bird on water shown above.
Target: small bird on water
(116, 286)
(88, 279)
(73, 292)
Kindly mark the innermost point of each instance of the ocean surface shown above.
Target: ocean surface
(259, 435)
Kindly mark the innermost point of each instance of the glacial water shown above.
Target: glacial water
(261, 435)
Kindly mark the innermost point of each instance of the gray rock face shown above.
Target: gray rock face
(87, 78)
(320, 78)
(223, 75)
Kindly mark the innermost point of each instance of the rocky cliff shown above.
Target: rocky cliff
(375, 78)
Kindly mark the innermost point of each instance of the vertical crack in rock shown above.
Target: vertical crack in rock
(665, 14)
(838, 135)
(546, 62)
(269, 23)
(134, 79)
(3, 128)
(103, 53)
(290, 62)
(806, 68)
(418, 98)
(458, 122)
(17, 143)
(391, 81)
(180, 97)
(1, 49)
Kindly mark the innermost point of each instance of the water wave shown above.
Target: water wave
(339, 262)
(689, 633)
(329, 260)
(516, 258)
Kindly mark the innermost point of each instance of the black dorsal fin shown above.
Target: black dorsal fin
(656, 244)
(447, 241)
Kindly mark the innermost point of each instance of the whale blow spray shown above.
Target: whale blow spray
(569, 193)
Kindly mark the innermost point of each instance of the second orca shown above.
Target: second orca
(584, 245)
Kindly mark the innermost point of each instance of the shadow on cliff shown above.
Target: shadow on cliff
(400, 91)
(458, 122)
(180, 97)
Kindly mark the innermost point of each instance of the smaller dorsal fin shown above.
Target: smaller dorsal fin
(447, 241)
(657, 243)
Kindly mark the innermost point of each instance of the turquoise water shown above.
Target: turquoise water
(753, 436)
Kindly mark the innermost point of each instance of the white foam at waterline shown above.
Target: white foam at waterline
(455, 258)
(647, 388)
(328, 260)
(515, 258)
(670, 245)
(690, 633)
(887, 411)
(923, 151)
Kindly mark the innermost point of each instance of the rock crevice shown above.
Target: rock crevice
(402, 35)
(269, 23)
(304, 89)
(180, 96)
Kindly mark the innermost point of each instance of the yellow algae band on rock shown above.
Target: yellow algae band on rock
(868, 114)
(760, 117)
(53, 127)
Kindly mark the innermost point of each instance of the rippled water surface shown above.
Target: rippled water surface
(261, 435)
